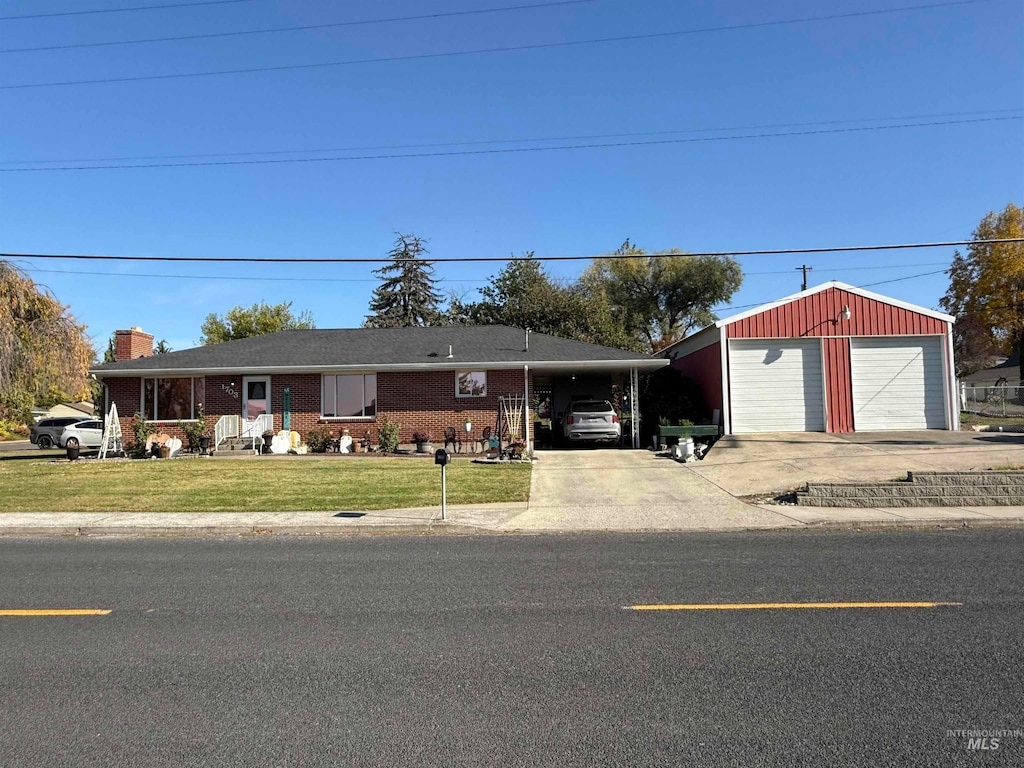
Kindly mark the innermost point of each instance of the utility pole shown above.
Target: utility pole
(805, 270)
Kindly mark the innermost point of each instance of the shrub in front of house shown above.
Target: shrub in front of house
(318, 439)
(388, 432)
(141, 429)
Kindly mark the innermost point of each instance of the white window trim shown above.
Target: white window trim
(323, 378)
(470, 397)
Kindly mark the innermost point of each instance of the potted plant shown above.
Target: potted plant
(516, 447)
(268, 437)
(422, 440)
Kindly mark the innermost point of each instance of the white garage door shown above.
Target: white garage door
(776, 385)
(898, 383)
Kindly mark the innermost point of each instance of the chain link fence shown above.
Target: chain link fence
(1002, 400)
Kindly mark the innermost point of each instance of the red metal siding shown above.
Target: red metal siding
(838, 392)
(816, 315)
(705, 367)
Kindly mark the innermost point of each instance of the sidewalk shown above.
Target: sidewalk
(496, 519)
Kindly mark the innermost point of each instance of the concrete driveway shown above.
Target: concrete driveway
(763, 464)
(609, 489)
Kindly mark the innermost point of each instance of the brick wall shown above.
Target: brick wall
(420, 401)
(132, 343)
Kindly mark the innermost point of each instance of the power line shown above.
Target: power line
(468, 259)
(855, 269)
(503, 49)
(122, 10)
(518, 141)
(374, 280)
(276, 30)
(908, 277)
(502, 151)
(866, 285)
(232, 277)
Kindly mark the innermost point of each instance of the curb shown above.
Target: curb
(439, 529)
(931, 523)
(446, 529)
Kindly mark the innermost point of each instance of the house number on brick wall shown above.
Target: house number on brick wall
(230, 390)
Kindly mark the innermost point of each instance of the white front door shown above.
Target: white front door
(255, 399)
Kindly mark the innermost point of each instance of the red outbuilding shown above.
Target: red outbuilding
(833, 358)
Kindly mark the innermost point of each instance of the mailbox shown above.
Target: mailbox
(442, 457)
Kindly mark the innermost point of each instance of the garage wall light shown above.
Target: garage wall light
(844, 315)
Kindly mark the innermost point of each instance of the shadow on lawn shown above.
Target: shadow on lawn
(38, 455)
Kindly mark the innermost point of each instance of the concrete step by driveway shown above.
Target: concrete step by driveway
(905, 490)
(967, 479)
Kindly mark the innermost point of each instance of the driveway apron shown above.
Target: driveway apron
(610, 489)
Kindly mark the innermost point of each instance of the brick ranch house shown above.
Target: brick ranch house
(424, 379)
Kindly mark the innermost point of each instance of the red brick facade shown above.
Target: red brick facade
(133, 343)
(417, 401)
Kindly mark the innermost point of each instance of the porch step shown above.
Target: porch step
(236, 444)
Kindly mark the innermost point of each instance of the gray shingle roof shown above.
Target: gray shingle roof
(376, 348)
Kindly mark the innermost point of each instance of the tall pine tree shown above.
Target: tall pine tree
(406, 295)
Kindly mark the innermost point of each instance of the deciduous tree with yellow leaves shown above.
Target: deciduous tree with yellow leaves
(986, 289)
(44, 352)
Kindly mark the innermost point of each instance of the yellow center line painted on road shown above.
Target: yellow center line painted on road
(54, 611)
(770, 606)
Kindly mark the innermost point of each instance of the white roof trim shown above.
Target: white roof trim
(690, 344)
(582, 365)
(841, 286)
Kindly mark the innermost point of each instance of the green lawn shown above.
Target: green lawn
(258, 485)
(969, 419)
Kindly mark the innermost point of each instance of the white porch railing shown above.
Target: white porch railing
(227, 426)
(254, 429)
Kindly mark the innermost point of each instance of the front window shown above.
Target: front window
(471, 384)
(351, 396)
(172, 399)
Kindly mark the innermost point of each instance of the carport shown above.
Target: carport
(555, 387)
(833, 358)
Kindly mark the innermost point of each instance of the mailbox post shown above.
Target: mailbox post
(442, 457)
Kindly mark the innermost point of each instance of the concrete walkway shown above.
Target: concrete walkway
(768, 464)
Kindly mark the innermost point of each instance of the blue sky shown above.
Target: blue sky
(930, 183)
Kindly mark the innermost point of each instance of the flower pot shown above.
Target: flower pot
(164, 452)
(424, 448)
(73, 452)
(357, 447)
(204, 445)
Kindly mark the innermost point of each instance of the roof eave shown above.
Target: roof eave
(843, 287)
(652, 363)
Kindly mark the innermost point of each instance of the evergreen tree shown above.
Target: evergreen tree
(406, 295)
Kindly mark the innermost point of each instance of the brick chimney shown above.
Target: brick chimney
(132, 343)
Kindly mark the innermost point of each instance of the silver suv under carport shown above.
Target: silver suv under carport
(591, 420)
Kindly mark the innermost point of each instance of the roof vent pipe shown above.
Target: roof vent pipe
(450, 355)
(527, 339)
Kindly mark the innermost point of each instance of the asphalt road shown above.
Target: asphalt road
(512, 651)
